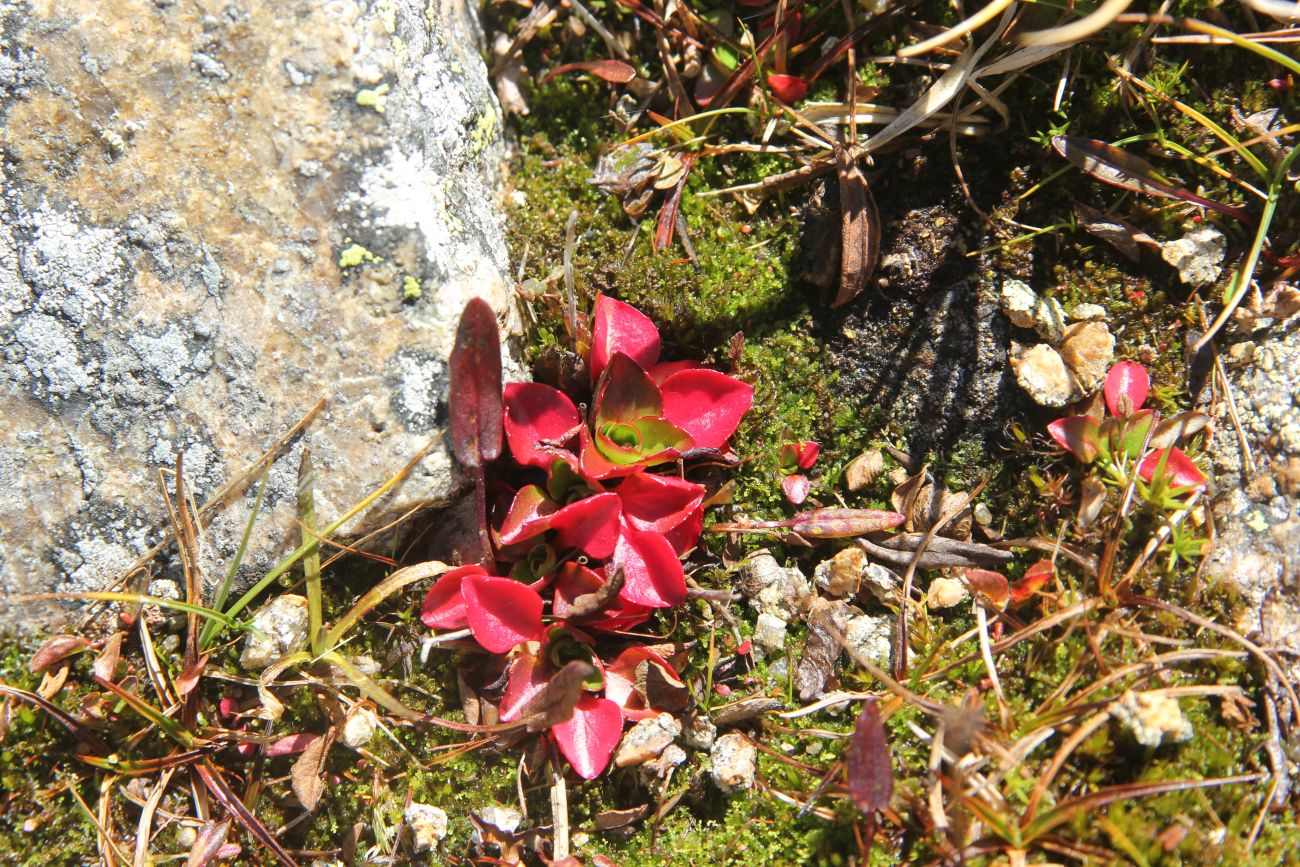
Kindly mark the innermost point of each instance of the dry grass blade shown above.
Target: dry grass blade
(1075, 31)
(307, 776)
(58, 714)
(399, 580)
(144, 830)
(957, 31)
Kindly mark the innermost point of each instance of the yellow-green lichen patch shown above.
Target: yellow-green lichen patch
(354, 255)
(411, 290)
(374, 97)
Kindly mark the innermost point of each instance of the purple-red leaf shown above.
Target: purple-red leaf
(1077, 434)
(706, 404)
(529, 515)
(55, 649)
(868, 764)
(290, 745)
(796, 488)
(1179, 470)
(992, 584)
(1126, 389)
(502, 613)
(444, 607)
(208, 844)
(588, 738)
(618, 327)
(630, 669)
(613, 71)
(475, 392)
(652, 574)
(658, 503)
(539, 422)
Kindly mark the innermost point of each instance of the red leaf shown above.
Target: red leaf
(652, 574)
(575, 580)
(658, 503)
(665, 369)
(475, 389)
(502, 613)
(1078, 435)
(621, 681)
(992, 584)
(594, 465)
(796, 488)
(788, 88)
(685, 535)
(530, 515)
(539, 422)
(706, 404)
(589, 737)
(444, 607)
(1178, 470)
(613, 71)
(527, 678)
(868, 764)
(590, 524)
(618, 327)
(625, 392)
(1126, 389)
(1036, 576)
(807, 452)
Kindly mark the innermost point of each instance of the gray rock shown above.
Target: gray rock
(428, 825)
(733, 763)
(1088, 349)
(1257, 515)
(646, 739)
(199, 239)
(1018, 301)
(699, 733)
(872, 637)
(1152, 719)
(1087, 313)
(283, 623)
(841, 575)
(506, 820)
(770, 633)
(359, 727)
(1197, 255)
(881, 583)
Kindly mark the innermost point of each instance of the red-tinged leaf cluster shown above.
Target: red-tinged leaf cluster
(868, 762)
(1125, 432)
(591, 539)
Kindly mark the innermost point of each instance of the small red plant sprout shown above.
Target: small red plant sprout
(788, 88)
(797, 456)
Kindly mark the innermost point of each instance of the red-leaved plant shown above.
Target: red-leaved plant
(590, 542)
(1122, 433)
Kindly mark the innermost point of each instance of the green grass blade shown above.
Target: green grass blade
(209, 633)
(311, 560)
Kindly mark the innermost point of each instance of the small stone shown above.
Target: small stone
(770, 632)
(1088, 349)
(863, 470)
(882, 583)
(673, 756)
(946, 592)
(165, 588)
(983, 516)
(756, 573)
(1049, 320)
(1152, 719)
(185, 836)
(1018, 302)
(734, 763)
(647, 739)
(1087, 312)
(283, 622)
(506, 820)
(1042, 374)
(359, 727)
(841, 575)
(699, 733)
(872, 637)
(428, 825)
(1197, 255)
(785, 595)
